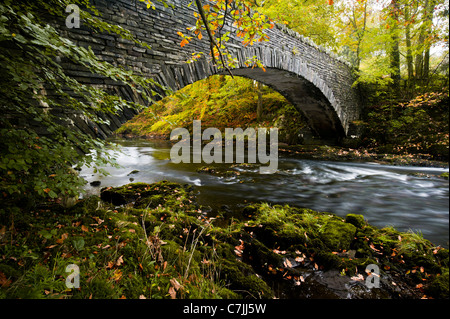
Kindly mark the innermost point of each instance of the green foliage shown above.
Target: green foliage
(237, 15)
(366, 33)
(38, 144)
(221, 102)
(312, 19)
(419, 126)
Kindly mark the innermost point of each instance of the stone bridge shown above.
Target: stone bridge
(317, 83)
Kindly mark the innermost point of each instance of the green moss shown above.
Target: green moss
(242, 278)
(439, 287)
(87, 206)
(444, 175)
(328, 260)
(261, 256)
(337, 235)
(355, 220)
(137, 249)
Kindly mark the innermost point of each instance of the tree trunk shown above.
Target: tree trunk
(421, 48)
(409, 56)
(395, 49)
(259, 104)
(428, 23)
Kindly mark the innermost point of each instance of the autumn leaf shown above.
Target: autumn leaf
(4, 282)
(299, 259)
(63, 237)
(84, 228)
(175, 284)
(287, 263)
(117, 275)
(172, 293)
(330, 2)
(119, 261)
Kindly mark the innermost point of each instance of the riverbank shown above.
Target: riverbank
(338, 153)
(333, 153)
(155, 241)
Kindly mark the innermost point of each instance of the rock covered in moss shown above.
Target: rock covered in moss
(355, 220)
(338, 235)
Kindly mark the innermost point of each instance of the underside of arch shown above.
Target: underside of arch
(304, 95)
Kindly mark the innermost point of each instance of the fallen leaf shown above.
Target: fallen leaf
(359, 277)
(84, 228)
(119, 261)
(4, 282)
(63, 237)
(117, 275)
(287, 263)
(175, 284)
(299, 259)
(172, 293)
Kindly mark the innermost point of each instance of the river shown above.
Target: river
(406, 197)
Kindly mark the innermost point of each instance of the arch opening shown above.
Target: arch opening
(306, 98)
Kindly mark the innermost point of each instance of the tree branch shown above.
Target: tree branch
(212, 40)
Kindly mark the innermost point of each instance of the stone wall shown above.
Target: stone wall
(317, 83)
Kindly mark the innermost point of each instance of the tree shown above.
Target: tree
(38, 146)
(310, 18)
(259, 105)
(394, 49)
(248, 24)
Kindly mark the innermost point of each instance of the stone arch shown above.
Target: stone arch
(316, 82)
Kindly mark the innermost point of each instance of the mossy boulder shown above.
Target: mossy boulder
(355, 220)
(337, 235)
(259, 255)
(143, 195)
(439, 288)
(241, 277)
(86, 207)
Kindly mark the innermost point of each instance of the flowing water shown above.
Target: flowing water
(406, 197)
